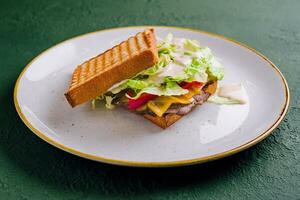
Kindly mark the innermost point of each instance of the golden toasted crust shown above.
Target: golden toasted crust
(165, 121)
(123, 61)
(169, 119)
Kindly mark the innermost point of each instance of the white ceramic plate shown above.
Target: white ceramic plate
(120, 137)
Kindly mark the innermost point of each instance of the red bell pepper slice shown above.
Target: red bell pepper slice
(144, 98)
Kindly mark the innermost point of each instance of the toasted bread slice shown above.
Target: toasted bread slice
(123, 61)
(169, 119)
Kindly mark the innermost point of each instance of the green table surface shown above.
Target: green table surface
(32, 169)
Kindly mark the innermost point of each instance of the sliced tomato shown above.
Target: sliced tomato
(143, 99)
(188, 85)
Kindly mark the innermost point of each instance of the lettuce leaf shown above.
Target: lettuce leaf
(215, 72)
(192, 45)
(108, 104)
(106, 98)
(137, 84)
(197, 71)
(164, 60)
(166, 46)
(170, 89)
(206, 65)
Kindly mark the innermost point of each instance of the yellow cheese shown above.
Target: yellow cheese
(161, 104)
(159, 108)
(192, 91)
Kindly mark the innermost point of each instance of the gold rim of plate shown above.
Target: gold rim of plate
(242, 147)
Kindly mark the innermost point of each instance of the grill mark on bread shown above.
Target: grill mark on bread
(87, 72)
(145, 38)
(81, 73)
(96, 66)
(99, 64)
(120, 52)
(74, 78)
(136, 42)
(133, 46)
(112, 57)
(116, 55)
(104, 60)
(126, 53)
(142, 42)
(107, 59)
(128, 48)
(84, 73)
(92, 67)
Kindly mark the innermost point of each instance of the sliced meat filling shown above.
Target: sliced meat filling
(181, 109)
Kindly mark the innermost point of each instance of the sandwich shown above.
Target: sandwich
(162, 81)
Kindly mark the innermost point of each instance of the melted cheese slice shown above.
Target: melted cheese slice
(161, 104)
(192, 92)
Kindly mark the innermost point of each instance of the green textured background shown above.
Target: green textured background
(32, 169)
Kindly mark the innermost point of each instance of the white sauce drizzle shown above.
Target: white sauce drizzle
(234, 92)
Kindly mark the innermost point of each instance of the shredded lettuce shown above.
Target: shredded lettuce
(176, 79)
(215, 73)
(172, 89)
(108, 100)
(166, 46)
(192, 45)
(164, 60)
(137, 84)
(93, 103)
